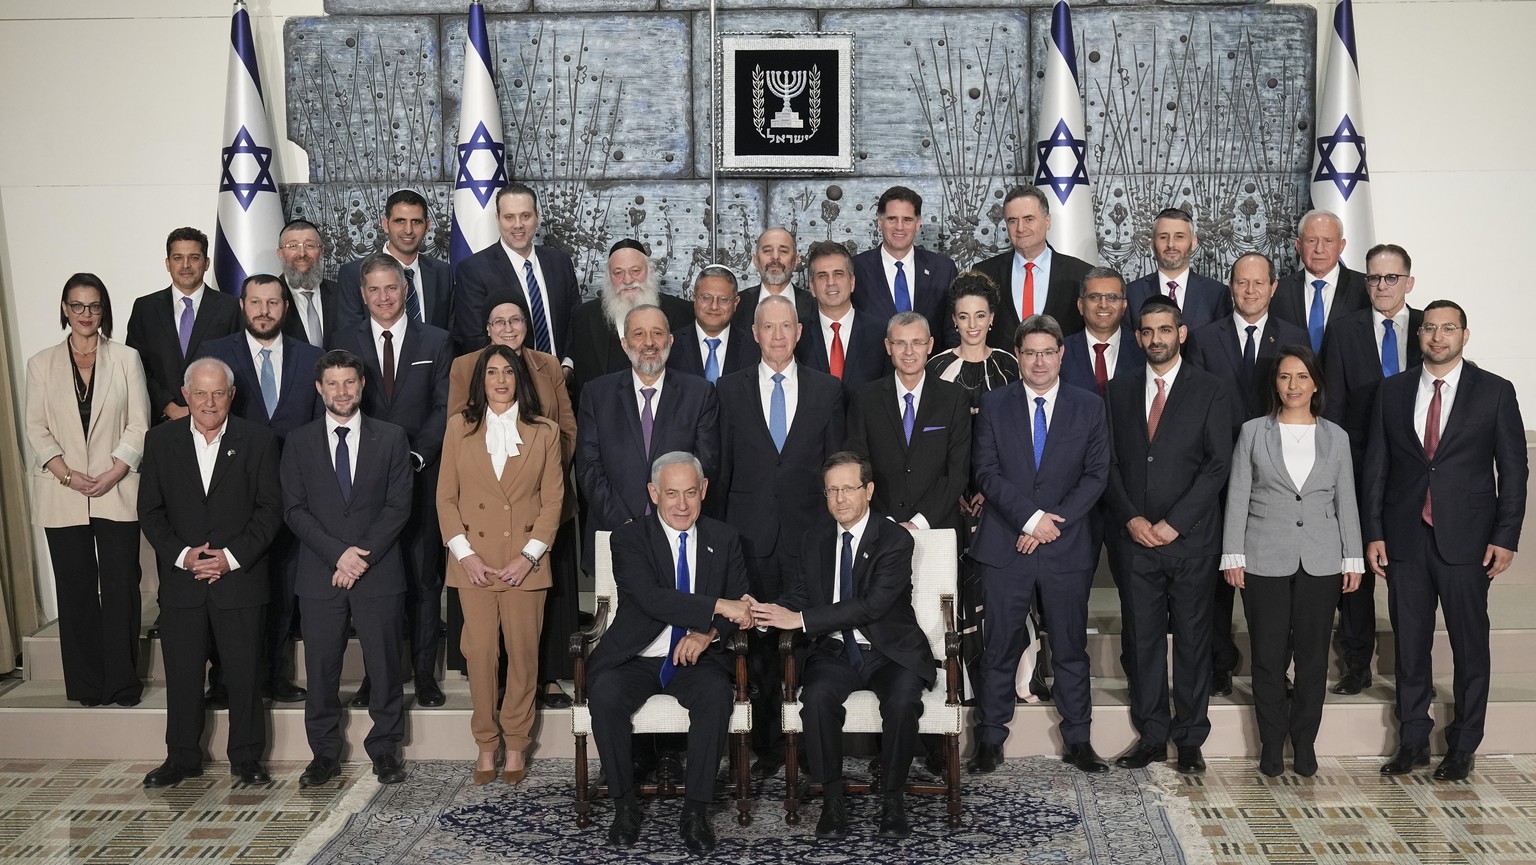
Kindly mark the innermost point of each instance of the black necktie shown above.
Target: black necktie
(845, 592)
(343, 464)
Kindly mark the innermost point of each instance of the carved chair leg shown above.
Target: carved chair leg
(792, 778)
(583, 803)
(952, 776)
(743, 779)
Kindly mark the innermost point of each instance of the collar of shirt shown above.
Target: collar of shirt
(501, 436)
(765, 374)
(857, 530)
(901, 394)
(725, 340)
(353, 423)
(1331, 277)
(826, 323)
(197, 435)
(517, 258)
(276, 348)
(398, 329)
(787, 291)
(207, 452)
(197, 300)
(661, 381)
(1167, 377)
(1042, 261)
(1242, 326)
(791, 389)
(1113, 342)
(400, 257)
(909, 264)
(1451, 379)
(1399, 324)
(692, 550)
(1050, 401)
(1182, 278)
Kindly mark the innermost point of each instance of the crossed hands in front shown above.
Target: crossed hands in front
(1045, 532)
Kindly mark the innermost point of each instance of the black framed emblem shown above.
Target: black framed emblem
(785, 103)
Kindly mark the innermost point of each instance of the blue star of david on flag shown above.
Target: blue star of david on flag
(1076, 150)
(480, 141)
(1326, 170)
(246, 192)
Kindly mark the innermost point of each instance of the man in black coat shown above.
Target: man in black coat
(713, 345)
(775, 259)
(317, 311)
(1324, 290)
(210, 504)
(839, 339)
(406, 225)
(596, 347)
(900, 276)
(1032, 277)
(1106, 346)
(1202, 300)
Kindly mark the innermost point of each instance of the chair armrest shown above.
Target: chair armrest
(737, 646)
(580, 646)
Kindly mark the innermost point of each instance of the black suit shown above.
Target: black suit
(650, 603)
(1472, 507)
(595, 348)
(240, 512)
(335, 315)
(489, 274)
(1077, 358)
(1060, 299)
(612, 464)
(864, 355)
(1293, 299)
(746, 309)
(928, 285)
(898, 665)
(1202, 300)
(327, 524)
(1178, 477)
(928, 475)
(741, 351)
(435, 288)
(152, 333)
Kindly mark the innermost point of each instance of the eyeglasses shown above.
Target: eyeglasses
(1104, 298)
(904, 345)
(1045, 354)
(307, 246)
(79, 308)
(713, 300)
(499, 323)
(1375, 279)
(840, 492)
(1450, 330)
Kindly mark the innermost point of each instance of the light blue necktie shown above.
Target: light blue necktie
(1315, 320)
(778, 415)
(1039, 434)
(536, 309)
(1388, 349)
(903, 296)
(712, 363)
(268, 382)
(908, 418)
(684, 585)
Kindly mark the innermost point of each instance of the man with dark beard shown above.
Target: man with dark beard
(776, 260)
(318, 311)
(598, 324)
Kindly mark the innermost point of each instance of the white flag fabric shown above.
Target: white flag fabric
(1340, 181)
(250, 210)
(481, 166)
(1061, 146)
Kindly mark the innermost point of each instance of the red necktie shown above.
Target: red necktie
(1100, 368)
(1156, 414)
(835, 359)
(389, 366)
(1431, 441)
(1027, 307)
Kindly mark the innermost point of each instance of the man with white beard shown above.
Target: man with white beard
(595, 349)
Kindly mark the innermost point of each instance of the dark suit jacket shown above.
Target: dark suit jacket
(1215, 349)
(435, 276)
(881, 606)
(1205, 300)
(595, 350)
(1060, 299)
(769, 493)
(746, 308)
(1352, 369)
(1068, 482)
(928, 476)
(489, 274)
(326, 524)
(1294, 297)
(648, 597)
(929, 285)
(612, 465)
(420, 405)
(335, 314)
(298, 402)
(864, 355)
(741, 351)
(1473, 507)
(1178, 476)
(240, 512)
(152, 333)
(1077, 359)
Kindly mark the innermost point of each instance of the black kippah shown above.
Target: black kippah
(628, 243)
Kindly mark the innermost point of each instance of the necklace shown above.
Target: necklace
(82, 389)
(1301, 431)
(71, 340)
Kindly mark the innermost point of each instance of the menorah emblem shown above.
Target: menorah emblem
(786, 86)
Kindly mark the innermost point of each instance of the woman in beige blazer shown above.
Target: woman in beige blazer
(87, 412)
(499, 493)
(1292, 544)
(507, 324)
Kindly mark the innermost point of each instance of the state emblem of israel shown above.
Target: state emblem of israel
(788, 88)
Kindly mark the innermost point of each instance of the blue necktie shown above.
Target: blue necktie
(1039, 434)
(778, 415)
(712, 363)
(908, 418)
(1315, 320)
(268, 382)
(412, 300)
(541, 339)
(684, 585)
(845, 593)
(1388, 349)
(343, 464)
(903, 296)
(1250, 352)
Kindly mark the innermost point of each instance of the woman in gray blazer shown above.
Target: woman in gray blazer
(1292, 544)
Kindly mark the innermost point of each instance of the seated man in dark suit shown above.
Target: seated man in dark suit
(1200, 299)
(853, 599)
(684, 588)
(776, 259)
(1034, 278)
(318, 311)
(1324, 290)
(406, 225)
(211, 542)
(899, 276)
(839, 339)
(598, 323)
(347, 496)
(1106, 346)
(713, 345)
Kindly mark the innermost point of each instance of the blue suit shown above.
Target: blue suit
(1077, 359)
(298, 402)
(928, 285)
(1204, 299)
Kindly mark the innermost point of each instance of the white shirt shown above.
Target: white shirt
(1399, 327)
(1329, 290)
(502, 440)
(791, 391)
(518, 262)
(908, 264)
(414, 278)
(398, 331)
(177, 307)
(1167, 377)
(661, 380)
(1180, 279)
(1042, 281)
(1426, 393)
(277, 358)
(845, 330)
(355, 424)
(725, 340)
(1242, 325)
(1111, 354)
(658, 647)
(207, 456)
(857, 530)
(1050, 412)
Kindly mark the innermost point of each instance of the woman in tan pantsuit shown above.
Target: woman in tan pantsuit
(499, 494)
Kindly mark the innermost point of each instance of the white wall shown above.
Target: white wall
(111, 124)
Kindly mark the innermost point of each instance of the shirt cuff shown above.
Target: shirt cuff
(229, 556)
(1352, 566)
(459, 546)
(418, 461)
(1233, 560)
(535, 548)
(1029, 526)
(181, 558)
(920, 521)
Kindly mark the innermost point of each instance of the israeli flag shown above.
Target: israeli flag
(1061, 146)
(1340, 181)
(250, 210)
(481, 159)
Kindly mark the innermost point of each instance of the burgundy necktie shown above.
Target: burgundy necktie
(1173, 291)
(1431, 441)
(1100, 368)
(1156, 414)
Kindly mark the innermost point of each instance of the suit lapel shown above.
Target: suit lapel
(200, 324)
(1462, 405)
(229, 448)
(628, 409)
(294, 377)
(828, 552)
(1233, 348)
(1405, 411)
(515, 465)
(1176, 398)
(1276, 449)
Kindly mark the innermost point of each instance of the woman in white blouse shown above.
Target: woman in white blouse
(1292, 544)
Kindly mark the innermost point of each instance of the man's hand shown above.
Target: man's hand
(516, 570)
(352, 564)
(775, 616)
(1498, 559)
(477, 571)
(1045, 529)
(971, 506)
(739, 612)
(176, 412)
(689, 648)
(212, 564)
(1351, 582)
(1143, 533)
(1376, 558)
(1027, 544)
(1168, 534)
(1234, 576)
(342, 581)
(191, 560)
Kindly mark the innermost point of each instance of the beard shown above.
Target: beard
(303, 280)
(616, 306)
(256, 330)
(777, 277)
(651, 368)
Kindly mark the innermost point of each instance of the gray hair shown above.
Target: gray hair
(1040, 323)
(1310, 215)
(1099, 273)
(380, 261)
(717, 271)
(902, 319)
(194, 366)
(641, 307)
(675, 458)
(774, 299)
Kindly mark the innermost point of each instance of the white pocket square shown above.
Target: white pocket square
(419, 362)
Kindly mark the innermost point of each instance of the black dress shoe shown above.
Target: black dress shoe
(428, 693)
(1191, 761)
(556, 699)
(986, 759)
(167, 775)
(129, 702)
(319, 771)
(893, 817)
(284, 691)
(1456, 766)
(625, 830)
(1406, 760)
(766, 767)
(1221, 684)
(90, 702)
(1352, 682)
(217, 697)
(1305, 761)
(697, 836)
(250, 772)
(390, 769)
(1272, 761)
(668, 769)
(936, 765)
(833, 824)
(1082, 757)
(364, 695)
(1037, 685)
(1142, 755)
